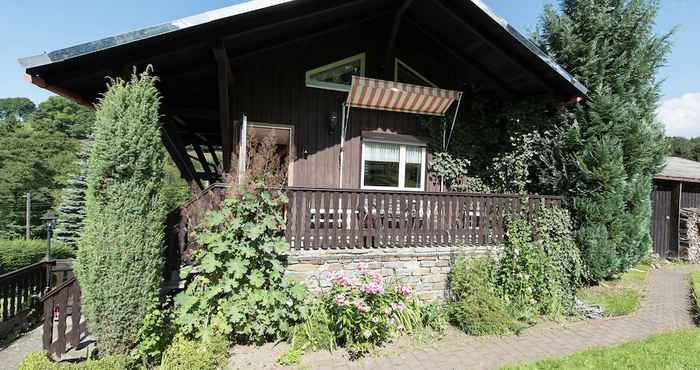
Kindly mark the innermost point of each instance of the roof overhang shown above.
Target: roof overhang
(486, 40)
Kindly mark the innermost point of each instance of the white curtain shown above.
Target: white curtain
(414, 154)
(382, 152)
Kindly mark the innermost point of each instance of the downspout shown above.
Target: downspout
(345, 110)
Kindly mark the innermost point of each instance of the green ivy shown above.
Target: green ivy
(239, 288)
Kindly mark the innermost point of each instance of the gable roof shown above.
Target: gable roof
(680, 169)
(474, 15)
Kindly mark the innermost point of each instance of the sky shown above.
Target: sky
(30, 28)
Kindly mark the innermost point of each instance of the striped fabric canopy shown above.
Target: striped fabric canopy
(399, 97)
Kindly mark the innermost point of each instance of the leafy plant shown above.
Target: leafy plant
(154, 336)
(240, 289)
(119, 262)
(520, 274)
(41, 361)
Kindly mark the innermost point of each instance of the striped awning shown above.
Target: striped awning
(400, 97)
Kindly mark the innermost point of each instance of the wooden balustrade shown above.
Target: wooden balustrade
(20, 291)
(330, 218)
(344, 218)
(60, 304)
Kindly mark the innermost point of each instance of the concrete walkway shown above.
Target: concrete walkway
(665, 307)
(12, 355)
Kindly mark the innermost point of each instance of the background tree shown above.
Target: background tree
(684, 148)
(71, 212)
(15, 109)
(119, 262)
(60, 114)
(608, 148)
(35, 161)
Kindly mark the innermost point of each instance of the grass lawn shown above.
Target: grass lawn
(695, 290)
(621, 295)
(675, 350)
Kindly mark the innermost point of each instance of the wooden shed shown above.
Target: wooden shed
(675, 188)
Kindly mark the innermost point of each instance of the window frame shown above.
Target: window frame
(402, 165)
(333, 86)
(403, 64)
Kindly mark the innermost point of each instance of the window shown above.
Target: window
(338, 75)
(393, 166)
(404, 73)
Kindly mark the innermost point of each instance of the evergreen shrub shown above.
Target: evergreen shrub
(119, 262)
(475, 305)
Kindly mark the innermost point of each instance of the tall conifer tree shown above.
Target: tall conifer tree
(71, 212)
(609, 148)
(119, 262)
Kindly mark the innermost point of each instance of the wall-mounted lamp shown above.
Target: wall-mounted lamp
(332, 122)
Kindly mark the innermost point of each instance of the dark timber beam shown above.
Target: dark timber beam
(391, 43)
(305, 38)
(212, 152)
(178, 153)
(201, 158)
(224, 79)
(500, 50)
(466, 60)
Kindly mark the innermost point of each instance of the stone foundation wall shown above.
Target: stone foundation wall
(425, 269)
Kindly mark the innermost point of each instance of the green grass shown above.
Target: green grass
(619, 296)
(695, 291)
(675, 350)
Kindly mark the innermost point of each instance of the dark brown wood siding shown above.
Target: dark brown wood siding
(270, 88)
(661, 217)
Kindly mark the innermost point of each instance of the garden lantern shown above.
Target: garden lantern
(50, 218)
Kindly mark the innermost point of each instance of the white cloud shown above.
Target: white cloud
(681, 116)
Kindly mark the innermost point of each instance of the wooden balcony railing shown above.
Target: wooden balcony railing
(343, 218)
(328, 218)
(20, 291)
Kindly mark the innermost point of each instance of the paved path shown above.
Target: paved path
(12, 355)
(665, 307)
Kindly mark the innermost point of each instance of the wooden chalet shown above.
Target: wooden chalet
(342, 85)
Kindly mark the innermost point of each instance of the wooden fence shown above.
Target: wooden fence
(20, 291)
(329, 218)
(344, 218)
(60, 304)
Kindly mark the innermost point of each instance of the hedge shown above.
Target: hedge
(15, 254)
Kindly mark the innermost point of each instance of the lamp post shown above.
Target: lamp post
(49, 217)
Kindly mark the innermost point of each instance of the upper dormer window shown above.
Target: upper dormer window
(404, 73)
(338, 75)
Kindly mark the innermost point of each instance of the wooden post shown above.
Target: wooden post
(28, 226)
(676, 196)
(224, 78)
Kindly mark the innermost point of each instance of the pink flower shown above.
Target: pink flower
(397, 306)
(372, 288)
(339, 279)
(404, 290)
(340, 300)
(362, 306)
(362, 267)
(388, 311)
